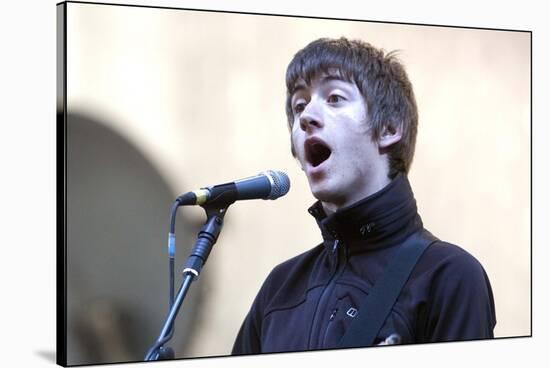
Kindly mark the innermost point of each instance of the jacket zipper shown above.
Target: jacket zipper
(323, 300)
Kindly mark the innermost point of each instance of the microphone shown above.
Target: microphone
(266, 185)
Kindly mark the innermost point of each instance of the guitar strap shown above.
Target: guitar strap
(376, 306)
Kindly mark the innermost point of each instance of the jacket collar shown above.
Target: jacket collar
(382, 219)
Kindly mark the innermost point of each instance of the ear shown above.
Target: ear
(390, 135)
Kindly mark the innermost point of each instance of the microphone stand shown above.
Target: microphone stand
(206, 239)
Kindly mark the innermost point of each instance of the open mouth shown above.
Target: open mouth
(317, 151)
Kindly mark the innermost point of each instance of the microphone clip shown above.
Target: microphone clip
(206, 239)
(217, 197)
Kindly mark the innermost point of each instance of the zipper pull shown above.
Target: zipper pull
(335, 246)
(333, 314)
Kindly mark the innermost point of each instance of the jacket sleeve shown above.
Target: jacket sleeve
(248, 339)
(462, 305)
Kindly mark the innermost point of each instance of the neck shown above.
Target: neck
(382, 219)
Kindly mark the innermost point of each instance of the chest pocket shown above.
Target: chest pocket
(344, 311)
(341, 312)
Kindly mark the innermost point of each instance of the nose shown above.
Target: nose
(311, 116)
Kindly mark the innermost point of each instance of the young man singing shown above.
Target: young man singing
(353, 121)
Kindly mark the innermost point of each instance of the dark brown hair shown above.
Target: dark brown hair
(380, 78)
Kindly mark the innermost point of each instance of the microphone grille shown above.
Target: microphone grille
(280, 183)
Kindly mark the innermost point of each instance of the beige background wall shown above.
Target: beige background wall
(202, 96)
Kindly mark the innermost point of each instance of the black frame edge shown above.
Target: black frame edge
(292, 16)
(61, 192)
(531, 173)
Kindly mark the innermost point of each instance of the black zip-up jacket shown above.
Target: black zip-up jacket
(309, 301)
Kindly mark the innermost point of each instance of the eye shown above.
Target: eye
(299, 107)
(335, 98)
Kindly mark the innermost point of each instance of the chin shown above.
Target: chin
(325, 194)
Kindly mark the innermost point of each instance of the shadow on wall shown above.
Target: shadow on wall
(117, 265)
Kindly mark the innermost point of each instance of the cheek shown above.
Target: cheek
(296, 144)
(358, 115)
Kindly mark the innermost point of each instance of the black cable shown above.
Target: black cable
(168, 330)
(171, 271)
(172, 256)
(173, 211)
(171, 298)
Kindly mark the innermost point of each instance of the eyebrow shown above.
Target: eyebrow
(329, 78)
(301, 85)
